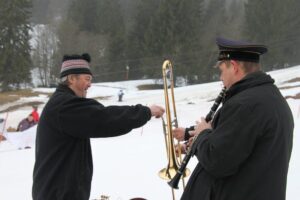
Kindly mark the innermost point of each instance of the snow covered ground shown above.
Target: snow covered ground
(126, 167)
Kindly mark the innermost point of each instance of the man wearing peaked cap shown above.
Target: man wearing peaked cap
(244, 151)
(64, 167)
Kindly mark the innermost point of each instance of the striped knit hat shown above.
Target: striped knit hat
(75, 64)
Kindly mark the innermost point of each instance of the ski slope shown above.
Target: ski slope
(127, 166)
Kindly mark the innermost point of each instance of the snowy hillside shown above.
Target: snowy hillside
(126, 167)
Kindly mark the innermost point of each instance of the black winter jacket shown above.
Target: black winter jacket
(246, 154)
(63, 167)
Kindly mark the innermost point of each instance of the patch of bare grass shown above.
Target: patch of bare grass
(293, 80)
(102, 98)
(150, 87)
(297, 96)
(16, 107)
(12, 96)
(288, 87)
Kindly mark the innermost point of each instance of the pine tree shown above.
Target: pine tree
(96, 27)
(215, 23)
(136, 50)
(15, 62)
(115, 56)
(174, 33)
(277, 25)
(84, 13)
(190, 15)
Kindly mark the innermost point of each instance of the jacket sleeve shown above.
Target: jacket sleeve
(86, 118)
(222, 150)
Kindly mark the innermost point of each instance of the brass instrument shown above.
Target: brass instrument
(173, 164)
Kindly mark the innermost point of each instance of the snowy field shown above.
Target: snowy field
(127, 166)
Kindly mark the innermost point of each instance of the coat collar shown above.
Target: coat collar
(249, 81)
(65, 89)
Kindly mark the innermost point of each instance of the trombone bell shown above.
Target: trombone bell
(169, 173)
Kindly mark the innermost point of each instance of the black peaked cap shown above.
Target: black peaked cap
(239, 50)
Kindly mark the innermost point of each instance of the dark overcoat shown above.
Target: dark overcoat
(245, 156)
(63, 167)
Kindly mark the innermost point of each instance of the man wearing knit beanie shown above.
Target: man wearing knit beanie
(64, 167)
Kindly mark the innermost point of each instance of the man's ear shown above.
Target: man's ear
(70, 78)
(235, 66)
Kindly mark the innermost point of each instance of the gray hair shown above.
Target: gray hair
(64, 80)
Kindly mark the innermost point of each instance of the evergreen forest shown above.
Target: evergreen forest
(130, 39)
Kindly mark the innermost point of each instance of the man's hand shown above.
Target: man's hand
(183, 149)
(178, 133)
(200, 126)
(157, 111)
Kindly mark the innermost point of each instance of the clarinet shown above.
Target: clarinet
(175, 180)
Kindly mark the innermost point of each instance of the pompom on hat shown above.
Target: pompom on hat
(239, 50)
(75, 64)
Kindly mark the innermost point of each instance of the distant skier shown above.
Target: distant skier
(120, 95)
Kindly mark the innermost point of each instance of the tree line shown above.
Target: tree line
(130, 40)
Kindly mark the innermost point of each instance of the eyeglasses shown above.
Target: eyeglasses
(217, 65)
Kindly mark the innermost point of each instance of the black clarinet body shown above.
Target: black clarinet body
(175, 180)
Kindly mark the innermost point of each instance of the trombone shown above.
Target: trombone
(173, 163)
